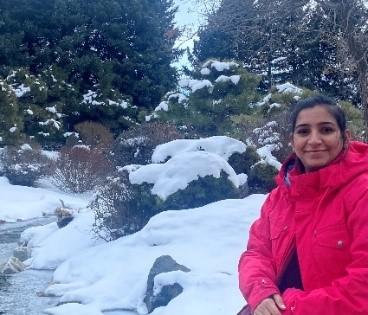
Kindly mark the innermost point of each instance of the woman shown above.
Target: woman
(307, 254)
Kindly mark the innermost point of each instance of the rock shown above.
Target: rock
(13, 265)
(162, 264)
(64, 215)
(21, 252)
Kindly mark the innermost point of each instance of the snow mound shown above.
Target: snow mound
(182, 169)
(220, 145)
(207, 240)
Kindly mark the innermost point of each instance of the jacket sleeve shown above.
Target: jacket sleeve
(257, 273)
(346, 295)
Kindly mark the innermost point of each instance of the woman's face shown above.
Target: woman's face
(317, 139)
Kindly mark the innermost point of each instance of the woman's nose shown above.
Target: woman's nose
(314, 137)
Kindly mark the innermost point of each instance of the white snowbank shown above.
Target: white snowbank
(22, 203)
(207, 240)
(182, 169)
(44, 253)
(220, 145)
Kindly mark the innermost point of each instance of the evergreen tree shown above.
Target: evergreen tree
(282, 40)
(11, 125)
(107, 59)
(207, 103)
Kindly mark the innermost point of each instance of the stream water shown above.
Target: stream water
(19, 293)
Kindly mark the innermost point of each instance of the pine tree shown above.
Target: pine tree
(282, 40)
(107, 59)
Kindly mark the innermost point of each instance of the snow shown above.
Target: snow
(123, 104)
(162, 106)
(93, 276)
(179, 96)
(21, 90)
(223, 78)
(51, 109)
(196, 85)
(180, 170)
(73, 309)
(90, 98)
(80, 236)
(221, 145)
(34, 202)
(51, 122)
(220, 65)
(25, 147)
(13, 129)
(265, 153)
(264, 101)
(205, 71)
(207, 240)
(288, 88)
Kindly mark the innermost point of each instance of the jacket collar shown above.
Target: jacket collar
(350, 163)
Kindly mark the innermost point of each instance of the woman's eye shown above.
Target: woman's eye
(302, 132)
(327, 130)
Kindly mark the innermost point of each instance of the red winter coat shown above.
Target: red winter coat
(325, 215)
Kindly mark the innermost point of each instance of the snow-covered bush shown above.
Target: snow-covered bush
(120, 208)
(187, 180)
(136, 145)
(80, 168)
(24, 164)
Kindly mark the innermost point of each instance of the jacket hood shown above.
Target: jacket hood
(351, 163)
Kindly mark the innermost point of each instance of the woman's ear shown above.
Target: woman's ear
(291, 139)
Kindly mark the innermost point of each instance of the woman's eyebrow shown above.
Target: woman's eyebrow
(320, 123)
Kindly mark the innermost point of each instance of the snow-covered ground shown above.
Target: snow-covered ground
(22, 203)
(94, 277)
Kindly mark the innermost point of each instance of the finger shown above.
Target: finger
(262, 308)
(268, 307)
(279, 301)
(271, 307)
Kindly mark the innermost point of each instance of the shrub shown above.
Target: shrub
(95, 135)
(80, 168)
(200, 192)
(261, 178)
(136, 145)
(242, 162)
(355, 120)
(122, 208)
(23, 165)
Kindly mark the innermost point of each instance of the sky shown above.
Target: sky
(188, 16)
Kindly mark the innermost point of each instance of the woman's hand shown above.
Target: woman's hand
(270, 306)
